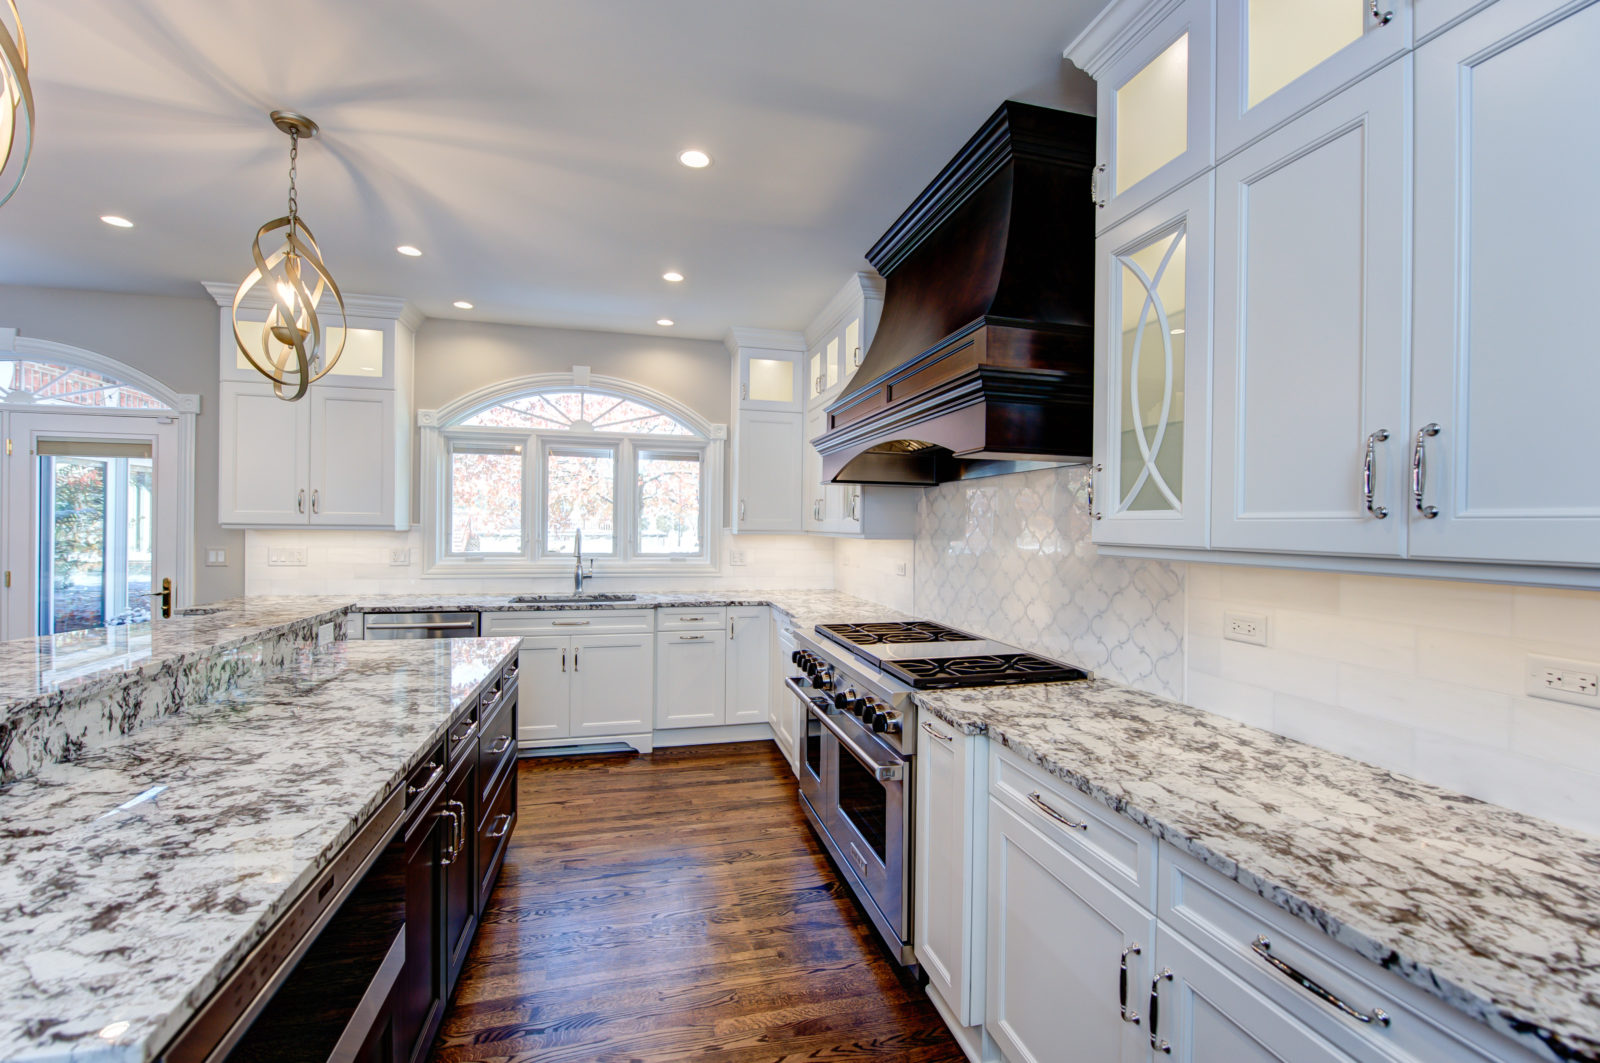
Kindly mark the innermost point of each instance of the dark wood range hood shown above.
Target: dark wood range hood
(983, 360)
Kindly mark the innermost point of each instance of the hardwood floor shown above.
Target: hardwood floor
(676, 906)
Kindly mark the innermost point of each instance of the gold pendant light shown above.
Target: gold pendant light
(289, 349)
(16, 105)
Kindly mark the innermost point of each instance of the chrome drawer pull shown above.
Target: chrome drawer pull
(691, 638)
(1053, 814)
(935, 732)
(464, 735)
(1122, 985)
(505, 825)
(1155, 1010)
(691, 619)
(425, 784)
(1261, 946)
(501, 744)
(569, 623)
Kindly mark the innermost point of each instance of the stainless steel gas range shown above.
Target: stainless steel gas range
(858, 748)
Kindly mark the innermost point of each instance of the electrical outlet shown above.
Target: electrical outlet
(400, 556)
(1245, 627)
(1557, 679)
(286, 555)
(900, 568)
(216, 558)
(735, 557)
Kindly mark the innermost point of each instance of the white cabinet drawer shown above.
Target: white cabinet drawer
(1114, 847)
(565, 622)
(690, 619)
(1224, 921)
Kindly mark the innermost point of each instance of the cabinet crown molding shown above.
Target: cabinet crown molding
(862, 287)
(765, 339)
(355, 304)
(1119, 24)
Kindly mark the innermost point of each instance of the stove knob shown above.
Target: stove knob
(845, 701)
(822, 678)
(887, 721)
(868, 708)
(797, 656)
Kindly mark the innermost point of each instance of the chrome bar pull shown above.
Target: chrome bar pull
(461, 829)
(690, 638)
(1122, 986)
(504, 819)
(422, 787)
(569, 623)
(1419, 469)
(1094, 185)
(935, 732)
(449, 857)
(1373, 439)
(563, 660)
(1262, 947)
(300, 503)
(1155, 1010)
(574, 658)
(501, 744)
(316, 506)
(1044, 807)
(1089, 495)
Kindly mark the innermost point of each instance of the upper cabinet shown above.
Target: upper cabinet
(837, 338)
(1154, 100)
(768, 367)
(1275, 58)
(768, 401)
(341, 456)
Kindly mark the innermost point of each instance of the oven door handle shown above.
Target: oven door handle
(894, 771)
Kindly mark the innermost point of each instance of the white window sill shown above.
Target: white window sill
(603, 571)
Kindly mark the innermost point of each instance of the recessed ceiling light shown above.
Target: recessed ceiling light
(461, 304)
(408, 250)
(664, 322)
(695, 159)
(672, 275)
(117, 221)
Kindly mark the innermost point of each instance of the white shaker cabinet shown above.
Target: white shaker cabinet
(263, 458)
(691, 688)
(352, 466)
(782, 712)
(1154, 105)
(544, 699)
(1309, 445)
(1152, 373)
(612, 688)
(951, 837)
(766, 472)
(1275, 58)
(1503, 429)
(749, 665)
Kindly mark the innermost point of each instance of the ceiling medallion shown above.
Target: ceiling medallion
(289, 349)
(16, 104)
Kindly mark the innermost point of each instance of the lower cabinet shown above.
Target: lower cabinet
(950, 837)
(691, 687)
(586, 685)
(749, 665)
(460, 865)
(419, 997)
(781, 704)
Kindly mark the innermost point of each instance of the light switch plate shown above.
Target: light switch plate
(216, 558)
(735, 557)
(400, 556)
(900, 568)
(1559, 679)
(286, 555)
(1245, 627)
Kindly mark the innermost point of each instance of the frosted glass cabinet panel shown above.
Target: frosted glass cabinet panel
(1310, 333)
(1275, 58)
(1152, 343)
(1156, 109)
(1503, 347)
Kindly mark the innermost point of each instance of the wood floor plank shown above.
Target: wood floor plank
(675, 906)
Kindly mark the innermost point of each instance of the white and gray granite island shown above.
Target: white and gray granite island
(136, 878)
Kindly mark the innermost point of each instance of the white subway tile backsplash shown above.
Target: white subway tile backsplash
(1476, 608)
(1365, 736)
(1535, 785)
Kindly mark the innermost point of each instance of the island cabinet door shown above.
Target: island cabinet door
(460, 870)
(1068, 953)
(544, 694)
(612, 683)
(419, 995)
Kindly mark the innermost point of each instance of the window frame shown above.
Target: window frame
(477, 441)
(441, 433)
(580, 443)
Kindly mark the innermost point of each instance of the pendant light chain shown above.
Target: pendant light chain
(294, 199)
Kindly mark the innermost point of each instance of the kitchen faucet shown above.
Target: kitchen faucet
(577, 552)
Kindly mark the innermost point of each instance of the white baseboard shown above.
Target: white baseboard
(977, 1047)
(644, 743)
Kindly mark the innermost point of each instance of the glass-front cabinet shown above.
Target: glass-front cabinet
(1277, 57)
(1152, 352)
(1155, 107)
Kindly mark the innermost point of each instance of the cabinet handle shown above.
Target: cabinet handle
(421, 787)
(1089, 495)
(574, 658)
(569, 623)
(741, 509)
(1373, 439)
(464, 735)
(1122, 986)
(563, 660)
(936, 733)
(730, 628)
(300, 503)
(1382, 17)
(744, 391)
(1419, 468)
(1094, 185)
(315, 508)
(1053, 814)
(501, 744)
(690, 638)
(504, 819)
(449, 857)
(1155, 1010)
(461, 829)
(856, 357)
(1261, 947)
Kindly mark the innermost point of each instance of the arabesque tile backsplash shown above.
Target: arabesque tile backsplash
(1009, 557)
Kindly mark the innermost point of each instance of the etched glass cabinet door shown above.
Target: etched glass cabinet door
(1153, 278)
(1277, 57)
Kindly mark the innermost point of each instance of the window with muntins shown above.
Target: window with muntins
(522, 477)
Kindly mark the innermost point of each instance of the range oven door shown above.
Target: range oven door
(816, 780)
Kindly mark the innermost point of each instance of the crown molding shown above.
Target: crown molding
(863, 287)
(355, 304)
(1117, 25)
(764, 339)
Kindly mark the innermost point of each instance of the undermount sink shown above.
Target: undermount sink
(202, 611)
(570, 599)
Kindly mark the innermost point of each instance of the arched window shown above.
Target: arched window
(34, 383)
(526, 474)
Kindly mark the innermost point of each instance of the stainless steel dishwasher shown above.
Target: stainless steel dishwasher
(421, 626)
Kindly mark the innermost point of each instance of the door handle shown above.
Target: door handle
(300, 503)
(1155, 1010)
(1122, 986)
(1373, 439)
(563, 660)
(315, 502)
(1419, 469)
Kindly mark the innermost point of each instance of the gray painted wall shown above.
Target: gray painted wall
(171, 339)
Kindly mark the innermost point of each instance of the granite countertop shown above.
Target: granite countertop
(1495, 912)
(133, 880)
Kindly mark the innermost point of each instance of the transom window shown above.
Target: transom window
(522, 479)
(25, 381)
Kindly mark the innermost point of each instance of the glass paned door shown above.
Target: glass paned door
(1150, 469)
(91, 508)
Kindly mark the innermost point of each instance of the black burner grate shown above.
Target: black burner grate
(933, 673)
(906, 632)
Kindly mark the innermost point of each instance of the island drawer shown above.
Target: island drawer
(497, 742)
(500, 819)
(1247, 935)
(690, 619)
(567, 621)
(463, 733)
(1113, 846)
(426, 775)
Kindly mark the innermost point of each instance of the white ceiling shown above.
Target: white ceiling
(529, 148)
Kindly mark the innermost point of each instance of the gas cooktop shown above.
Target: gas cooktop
(929, 656)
